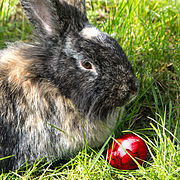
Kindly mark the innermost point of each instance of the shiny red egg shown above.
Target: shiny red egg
(134, 145)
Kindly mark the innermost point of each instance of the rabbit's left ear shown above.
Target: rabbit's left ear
(50, 17)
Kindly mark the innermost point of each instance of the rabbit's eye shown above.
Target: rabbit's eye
(86, 65)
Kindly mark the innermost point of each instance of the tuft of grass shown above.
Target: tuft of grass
(13, 25)
(148, 32)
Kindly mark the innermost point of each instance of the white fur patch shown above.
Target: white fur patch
(90, 32)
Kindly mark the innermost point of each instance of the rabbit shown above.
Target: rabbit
(63, 89)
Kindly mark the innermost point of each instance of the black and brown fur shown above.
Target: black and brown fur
(44, 83)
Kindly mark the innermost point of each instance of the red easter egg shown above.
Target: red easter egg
(134, 145)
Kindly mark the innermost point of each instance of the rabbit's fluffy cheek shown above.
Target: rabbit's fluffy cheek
(103, 128)
(96, 133)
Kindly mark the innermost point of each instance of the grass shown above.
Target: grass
(148, 31)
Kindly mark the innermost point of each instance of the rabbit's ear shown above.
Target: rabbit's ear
(52, 16)
(78, 8)
(40, 15)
